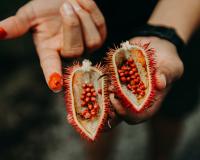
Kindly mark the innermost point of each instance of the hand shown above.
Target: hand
(80, 21)
(169, 69)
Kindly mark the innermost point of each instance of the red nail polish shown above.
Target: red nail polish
(55, 82)
(2, 33)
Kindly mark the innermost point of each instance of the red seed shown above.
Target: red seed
(136, 74)
(123, 79)
(82, 97)
(129, 87)
(92, 90)
(90, 106)
(142, 93)
(93, 99)
(133, 77)
(90, 85)
(89, 94)
(131, 72)
(130, 60)
(134, 70)
(138, 90)
(142, 87)
(120, 71)
(87, 89)
(134, 92)
(87, 115)
(133, 65)
(123, 67)
(134, 87)
(126, 73)
(94, 94)
(135, 81)
(83, 104)
(87, 99)
(96, 106)
(121, 74)
(84, 112)
(83, 93)
(128, 79)
(93, 112)
(132, 82)
(141, 84)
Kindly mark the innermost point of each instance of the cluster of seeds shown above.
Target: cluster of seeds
(89, 102)
(129, 76)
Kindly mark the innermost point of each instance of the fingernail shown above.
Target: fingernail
(76, 6)
(163, 78)
(3, 33)
(55, 82)
(162, 82)
(67, 9)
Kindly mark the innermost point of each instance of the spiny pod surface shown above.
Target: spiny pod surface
(86, 98)
(132, 68)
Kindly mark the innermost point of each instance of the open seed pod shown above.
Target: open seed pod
(86, 98)
(132, 68)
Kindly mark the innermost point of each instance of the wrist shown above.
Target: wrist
(182, 15)
(183, 34)
(161, 32)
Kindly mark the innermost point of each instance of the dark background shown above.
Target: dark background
(32, 119)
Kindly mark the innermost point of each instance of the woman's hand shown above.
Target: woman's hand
(169, 69)
(60, 28)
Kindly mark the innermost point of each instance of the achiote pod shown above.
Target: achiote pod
(132, 69)
(86, 98)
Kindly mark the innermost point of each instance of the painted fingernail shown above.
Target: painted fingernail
(55, 82)
(2, 33)
(67, 9)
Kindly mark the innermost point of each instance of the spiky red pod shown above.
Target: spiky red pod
(87, 108)
(132, 68)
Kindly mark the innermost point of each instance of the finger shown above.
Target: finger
(149, 112)
(96, 15)
(117, 105)
(17, 25)
(51, 66)
(125, 114)
(72, 35)
(91, 34)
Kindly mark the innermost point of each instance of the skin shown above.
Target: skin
(169, 65)
(75, 26)
(169, 68)
(78, 25)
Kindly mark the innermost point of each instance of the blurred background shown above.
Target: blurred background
(32, 119)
